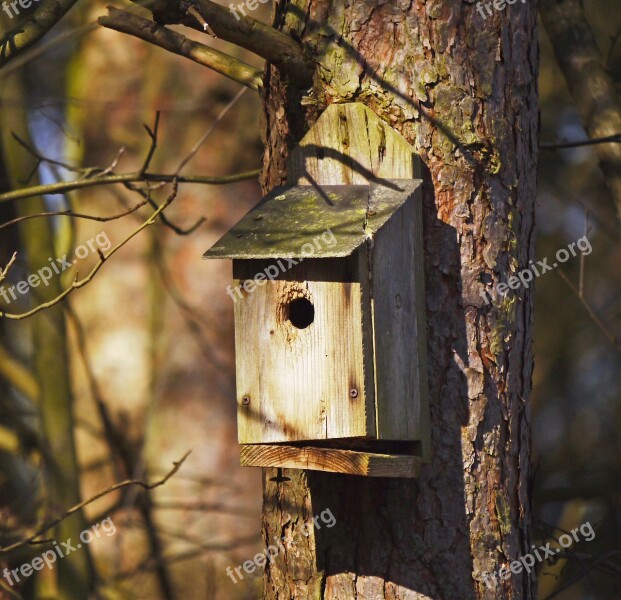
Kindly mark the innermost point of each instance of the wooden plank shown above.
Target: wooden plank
(330, 459)
(349, 144)
(400, 321)
(296, 384)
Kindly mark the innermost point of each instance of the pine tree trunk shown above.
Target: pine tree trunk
(463, 91)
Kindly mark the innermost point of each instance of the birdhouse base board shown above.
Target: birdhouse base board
(331, 460)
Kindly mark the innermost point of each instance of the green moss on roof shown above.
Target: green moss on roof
(286, 219)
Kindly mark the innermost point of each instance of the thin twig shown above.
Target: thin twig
(76, 507)
(211, 129)
(135, 177)
(71, 214)
(594, 317)
(163, 218)
(609, 139)
(114, 163)
(153, 136)
(78, 283)
(193, 11)
(4, 272)
(40, 158)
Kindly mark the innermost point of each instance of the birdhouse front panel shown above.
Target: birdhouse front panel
(300, 359)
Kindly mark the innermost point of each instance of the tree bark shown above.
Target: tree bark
(463, 91)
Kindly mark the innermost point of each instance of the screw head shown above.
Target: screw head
(246, 400)
(353, 393)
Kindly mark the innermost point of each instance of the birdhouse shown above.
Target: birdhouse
(330, 325)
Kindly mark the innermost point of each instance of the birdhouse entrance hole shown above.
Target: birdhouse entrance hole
(301, 313)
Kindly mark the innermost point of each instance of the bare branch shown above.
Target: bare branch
(41, 21)
(70, 213)
(193, 11)
(211, 129)
(602, 326)
(261, 39)
(4, 272)
(591, 87)
(174, 42)
(40, 158)
(76, 507)
(46, 45)
(273, 45)
(153, 136)
(78, 283)
(69, 186)
(610, 139)
(163, 218)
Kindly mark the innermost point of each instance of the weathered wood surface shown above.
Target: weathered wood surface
(350, 145)
(330, 460)
(330, 221)
(297, 382)
(399, 325)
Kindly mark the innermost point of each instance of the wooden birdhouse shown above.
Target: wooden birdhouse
(330, 322)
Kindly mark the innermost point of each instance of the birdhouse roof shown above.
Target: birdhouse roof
(289, 217)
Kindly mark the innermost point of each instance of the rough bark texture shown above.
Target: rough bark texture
(441, 75)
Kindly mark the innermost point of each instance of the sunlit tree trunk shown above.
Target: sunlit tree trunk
(469, 513)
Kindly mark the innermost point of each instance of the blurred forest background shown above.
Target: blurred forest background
(151, 337)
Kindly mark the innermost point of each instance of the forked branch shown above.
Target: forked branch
(174, 42)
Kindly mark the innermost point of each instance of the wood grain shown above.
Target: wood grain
(331, 460)
(399, 323)
(350, 144)
(297, 383)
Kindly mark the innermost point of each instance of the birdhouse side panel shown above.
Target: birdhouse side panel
(400, 325)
